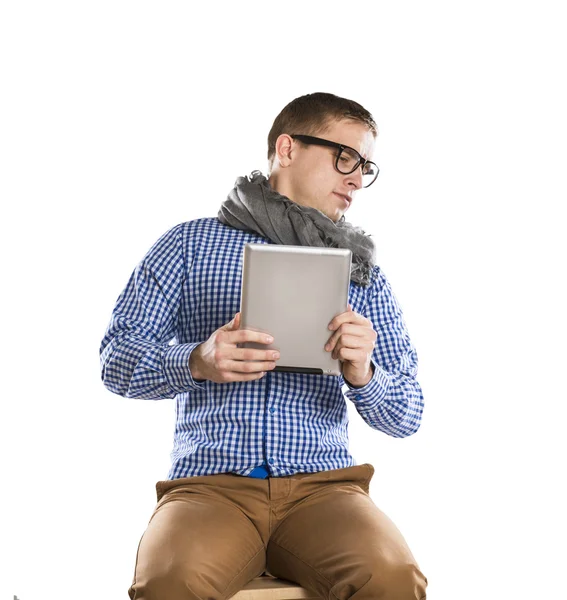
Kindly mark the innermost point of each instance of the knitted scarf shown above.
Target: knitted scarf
(253, 205)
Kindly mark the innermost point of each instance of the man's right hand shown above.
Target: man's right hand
(219, 359)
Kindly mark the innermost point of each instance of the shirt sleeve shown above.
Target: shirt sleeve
(392, 401)
(138, 354)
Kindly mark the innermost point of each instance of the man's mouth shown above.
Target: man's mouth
(345, 199)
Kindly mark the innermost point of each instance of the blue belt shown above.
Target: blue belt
(259, 472)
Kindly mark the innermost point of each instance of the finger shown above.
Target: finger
(353, 343)
(253, 354)
(348, 317)
(350, 329)
(245, 335)
(354, 329)
(353, 355)
(234, 324)
(247, 366)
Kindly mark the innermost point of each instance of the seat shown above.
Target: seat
(267, 587)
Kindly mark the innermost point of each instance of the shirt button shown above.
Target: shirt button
(272, 410)
(271, 460)
(358, 397)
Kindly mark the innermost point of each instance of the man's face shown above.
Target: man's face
(312, 178)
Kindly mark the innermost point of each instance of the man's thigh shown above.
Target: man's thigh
(196, 546)
(341, 545)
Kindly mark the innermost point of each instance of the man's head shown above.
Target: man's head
(307, 170)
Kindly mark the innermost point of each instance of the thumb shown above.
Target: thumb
(234, 324)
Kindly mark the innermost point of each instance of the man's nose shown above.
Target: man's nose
(354, 179)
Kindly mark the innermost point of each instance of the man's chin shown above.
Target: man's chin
(338, 216)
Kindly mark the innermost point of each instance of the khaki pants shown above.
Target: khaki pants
(212, 534)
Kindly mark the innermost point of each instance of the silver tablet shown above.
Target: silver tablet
(292, 293)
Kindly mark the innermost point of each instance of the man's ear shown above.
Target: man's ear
(284, 150)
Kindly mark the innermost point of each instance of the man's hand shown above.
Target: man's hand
(219, 359)
(352, 343)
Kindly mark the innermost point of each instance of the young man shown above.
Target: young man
(261, 476)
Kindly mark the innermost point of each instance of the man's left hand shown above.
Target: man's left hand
(352, 343)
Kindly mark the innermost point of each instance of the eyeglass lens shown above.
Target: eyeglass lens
(349, 160)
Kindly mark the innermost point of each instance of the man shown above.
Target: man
(261, 476)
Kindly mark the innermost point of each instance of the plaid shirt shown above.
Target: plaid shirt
(186, 287)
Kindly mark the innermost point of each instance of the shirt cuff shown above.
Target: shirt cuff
(176, 368)
(373, 392)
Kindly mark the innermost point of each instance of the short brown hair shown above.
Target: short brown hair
(312, 113)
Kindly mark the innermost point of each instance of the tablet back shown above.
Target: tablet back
(292, 293)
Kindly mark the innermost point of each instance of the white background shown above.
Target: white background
(121, 119)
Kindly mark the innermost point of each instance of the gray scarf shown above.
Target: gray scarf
(254, 206)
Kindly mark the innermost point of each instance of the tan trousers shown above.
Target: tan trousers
(212, 534)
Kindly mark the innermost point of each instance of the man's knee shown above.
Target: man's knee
(173, 584)
(400, 582)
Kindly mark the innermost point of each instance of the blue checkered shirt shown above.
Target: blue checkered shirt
(185, 288)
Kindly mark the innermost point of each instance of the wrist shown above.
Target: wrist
(361, 382)
(194, 362)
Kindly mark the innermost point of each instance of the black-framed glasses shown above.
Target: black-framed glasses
(347, 160)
